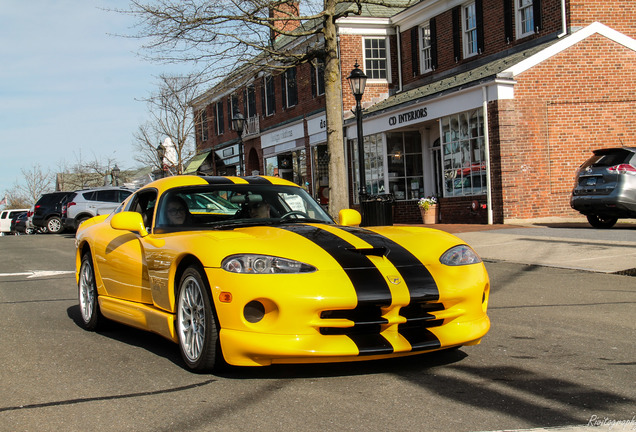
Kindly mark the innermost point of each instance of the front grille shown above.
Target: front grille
(368, 319)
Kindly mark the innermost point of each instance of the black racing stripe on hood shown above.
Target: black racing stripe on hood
(370, 285)
(371, 288)
(420, 282)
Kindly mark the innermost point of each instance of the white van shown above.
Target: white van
(5, 219)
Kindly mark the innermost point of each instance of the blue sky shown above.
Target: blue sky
(67, 87)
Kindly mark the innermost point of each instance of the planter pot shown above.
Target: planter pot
(429, 216)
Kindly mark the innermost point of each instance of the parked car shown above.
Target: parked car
(30, 228)
(85, 204)
(5, 219)
(47, 212)
(605, 187)
(251, 271)
(18, 223)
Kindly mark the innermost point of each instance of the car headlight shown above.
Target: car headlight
(459, 255)
(263, 264)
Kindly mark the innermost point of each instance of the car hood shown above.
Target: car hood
(322, 246)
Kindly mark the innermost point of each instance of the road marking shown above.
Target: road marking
(38, 273)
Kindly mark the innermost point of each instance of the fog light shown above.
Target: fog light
(254, 311)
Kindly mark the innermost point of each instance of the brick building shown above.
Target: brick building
(490, 105)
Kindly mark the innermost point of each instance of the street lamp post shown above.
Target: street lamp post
(358, 80)
(161, 154)
(238, 124)
(115, 175)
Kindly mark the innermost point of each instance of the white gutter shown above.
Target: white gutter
(564, 24)
(399, 59)
(484, 92)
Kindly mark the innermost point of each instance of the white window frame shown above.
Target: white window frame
(320, 64)
(524, 13)
(204, 125)
(265, 80)
(469, 30)
(387, 59)
(288, 84)
(426, 59)
(217, 120)
(248, 113)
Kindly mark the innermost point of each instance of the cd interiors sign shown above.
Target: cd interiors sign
(408, 117)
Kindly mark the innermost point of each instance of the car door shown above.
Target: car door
(121, 255)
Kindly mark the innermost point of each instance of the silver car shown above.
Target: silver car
(85, 204)
(605, 187)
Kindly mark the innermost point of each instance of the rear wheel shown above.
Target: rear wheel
(600, 221)
(54, 225)
(196, 325)
(92, 317)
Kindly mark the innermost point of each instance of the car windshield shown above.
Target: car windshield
(231, 206)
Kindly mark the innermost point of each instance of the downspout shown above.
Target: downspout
(564, 24)
(399, 59)
(484, 92)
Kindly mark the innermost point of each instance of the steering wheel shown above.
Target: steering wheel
(294, 213)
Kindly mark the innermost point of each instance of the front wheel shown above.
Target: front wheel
(196, 325)
(92, 317)
(600, 221)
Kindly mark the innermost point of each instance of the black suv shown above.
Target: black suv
(47, 211)
(605, 187)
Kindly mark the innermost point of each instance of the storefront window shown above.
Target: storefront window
(402, 165)
(463, 154)
(404, 160)
(291, 166)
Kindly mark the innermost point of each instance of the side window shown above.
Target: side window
(123, 195)
(144, 204)
(107, 196)
(89, 196)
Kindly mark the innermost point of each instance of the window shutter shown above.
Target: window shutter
(536, 11)
(312, 73)
(415, 31)
(479, 9)
(284, 88)
(263, 107)
(433, 27)
(508, 11)
(457, 33)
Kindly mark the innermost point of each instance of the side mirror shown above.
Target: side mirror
(349, 217)
(129, 221)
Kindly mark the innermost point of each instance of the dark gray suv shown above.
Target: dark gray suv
(605, 187)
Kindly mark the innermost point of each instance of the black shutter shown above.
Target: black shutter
(457, 33)
(479, 9)
(536, 11)
(433, 25)
(293, 86)
(312, 74)
(263, 107)
(508, 29)
(415, 64)
(284, 88)
(221, 119)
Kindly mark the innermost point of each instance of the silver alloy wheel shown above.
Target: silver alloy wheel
(54, 225)
(191, 318)
(86, 291)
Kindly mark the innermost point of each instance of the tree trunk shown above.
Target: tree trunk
(338, 182)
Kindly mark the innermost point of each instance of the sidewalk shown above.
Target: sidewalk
(572, 245)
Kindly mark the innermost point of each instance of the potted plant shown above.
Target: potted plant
(428, 208)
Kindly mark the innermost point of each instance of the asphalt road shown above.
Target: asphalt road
(560, 352)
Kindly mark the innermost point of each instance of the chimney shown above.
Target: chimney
(282, 11)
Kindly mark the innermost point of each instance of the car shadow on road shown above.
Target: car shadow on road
(151, 342)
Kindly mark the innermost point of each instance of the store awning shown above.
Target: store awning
(195, 163)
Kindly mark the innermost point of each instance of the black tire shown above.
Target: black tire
(196, 325)
(91, 315)
(79, 222)
(54, 225)
(600, 221)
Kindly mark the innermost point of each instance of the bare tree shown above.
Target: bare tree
(35, 182)
(171, 117)
(85, 173)
(266, 34)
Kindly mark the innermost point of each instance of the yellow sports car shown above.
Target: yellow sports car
(250, 271)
